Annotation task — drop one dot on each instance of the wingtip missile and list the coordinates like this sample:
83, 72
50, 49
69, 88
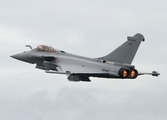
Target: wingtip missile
155, 73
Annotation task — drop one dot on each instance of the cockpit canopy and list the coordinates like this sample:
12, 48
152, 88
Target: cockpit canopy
45, 48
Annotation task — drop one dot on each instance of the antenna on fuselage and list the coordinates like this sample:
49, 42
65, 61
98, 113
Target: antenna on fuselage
29, 46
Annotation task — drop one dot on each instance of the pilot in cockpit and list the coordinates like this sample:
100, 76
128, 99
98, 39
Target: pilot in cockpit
44, 48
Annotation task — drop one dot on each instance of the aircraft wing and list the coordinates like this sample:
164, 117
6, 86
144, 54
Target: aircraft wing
154, 73
50, 66
84, 73
88, 74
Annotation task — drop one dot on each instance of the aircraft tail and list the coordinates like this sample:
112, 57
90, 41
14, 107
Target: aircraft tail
126, 52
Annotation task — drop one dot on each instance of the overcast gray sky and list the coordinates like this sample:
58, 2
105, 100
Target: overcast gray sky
91, 28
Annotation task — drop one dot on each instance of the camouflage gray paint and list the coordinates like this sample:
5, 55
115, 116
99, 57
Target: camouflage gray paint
117, 64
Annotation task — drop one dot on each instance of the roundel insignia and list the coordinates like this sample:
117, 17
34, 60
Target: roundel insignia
56, 60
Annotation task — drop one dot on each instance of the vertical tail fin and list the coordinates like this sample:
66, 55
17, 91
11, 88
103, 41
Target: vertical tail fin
126, 52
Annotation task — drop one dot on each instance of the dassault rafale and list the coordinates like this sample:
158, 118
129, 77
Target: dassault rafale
116, 64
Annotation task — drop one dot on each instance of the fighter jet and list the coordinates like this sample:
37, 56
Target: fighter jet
116, 64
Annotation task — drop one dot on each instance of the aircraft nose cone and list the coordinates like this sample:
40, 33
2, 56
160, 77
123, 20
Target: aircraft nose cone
25, 57
19, 56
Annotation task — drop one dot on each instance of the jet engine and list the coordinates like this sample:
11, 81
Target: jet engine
123, 73
133, 74
127, 73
